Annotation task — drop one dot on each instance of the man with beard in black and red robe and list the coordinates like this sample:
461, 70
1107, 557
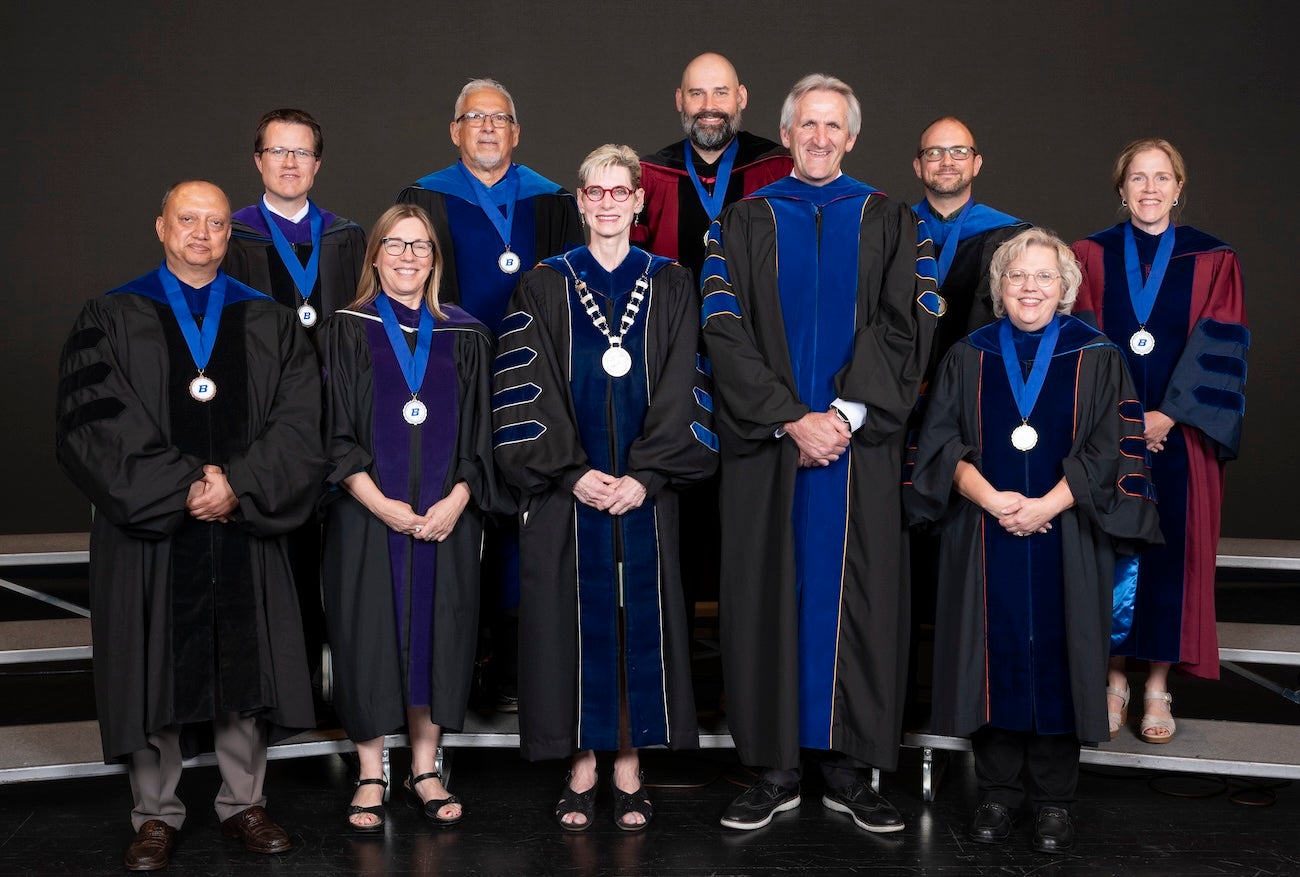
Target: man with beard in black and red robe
687, 184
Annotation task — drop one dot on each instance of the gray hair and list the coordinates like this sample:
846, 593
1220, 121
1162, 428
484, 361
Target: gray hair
1014, 248
608, 156
822, 82
478, 85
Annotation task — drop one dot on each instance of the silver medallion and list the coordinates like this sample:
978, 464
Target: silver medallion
616, 362
1024, 437
203, 388
306, 315
508, 262
414, 412
1142, 342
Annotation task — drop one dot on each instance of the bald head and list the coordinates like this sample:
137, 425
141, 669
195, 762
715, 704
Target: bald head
947, 178
194, 229
710, 100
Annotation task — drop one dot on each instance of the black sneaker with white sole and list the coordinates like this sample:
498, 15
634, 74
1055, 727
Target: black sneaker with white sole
755, 807
869, 811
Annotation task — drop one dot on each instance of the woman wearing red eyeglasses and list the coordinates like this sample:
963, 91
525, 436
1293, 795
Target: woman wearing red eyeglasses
601, 411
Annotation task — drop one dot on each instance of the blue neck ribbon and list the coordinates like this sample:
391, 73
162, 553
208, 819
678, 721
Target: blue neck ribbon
1143, 295
954, 237
199, 341
412, 363
484, 196
1026, 392
304, 276
713, 203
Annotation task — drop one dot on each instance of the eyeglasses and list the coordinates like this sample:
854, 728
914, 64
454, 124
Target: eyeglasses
1041, 279
936, 153
476, 120
397, 246
597, 193
279, 153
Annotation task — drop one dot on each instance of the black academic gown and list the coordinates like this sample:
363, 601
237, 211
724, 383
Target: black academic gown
189, 618
252, 259
557, 416
814, 606
1023, 628
402, 612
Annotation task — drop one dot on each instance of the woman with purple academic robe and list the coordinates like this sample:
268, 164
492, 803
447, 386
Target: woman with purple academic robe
1032, 464
408, 432
1171, 298
601, 413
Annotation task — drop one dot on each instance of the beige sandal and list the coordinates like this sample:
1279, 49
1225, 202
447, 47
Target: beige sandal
1119, 719
1151, 725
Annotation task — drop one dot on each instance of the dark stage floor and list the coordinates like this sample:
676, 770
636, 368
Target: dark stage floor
1128, 823
1126, 827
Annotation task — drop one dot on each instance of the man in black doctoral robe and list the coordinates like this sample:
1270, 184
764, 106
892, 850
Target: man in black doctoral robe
188, 412
493, 219
307, 259
965, 235
687, 184
818, 322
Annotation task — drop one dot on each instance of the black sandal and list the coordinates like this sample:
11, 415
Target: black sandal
575, 802
432, 806
376, 811
626, 803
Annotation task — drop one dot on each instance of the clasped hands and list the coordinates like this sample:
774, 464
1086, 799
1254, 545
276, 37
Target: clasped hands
436, 524
1020, 515
1156, 430
822, 436
605, 493
211, 498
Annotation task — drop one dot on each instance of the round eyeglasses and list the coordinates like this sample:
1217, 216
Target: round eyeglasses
1041, 279
597, 193
936, 153
280, 153
397, 246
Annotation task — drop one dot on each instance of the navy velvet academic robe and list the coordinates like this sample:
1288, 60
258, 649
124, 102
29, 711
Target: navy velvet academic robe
1023, 624
559, 415
1197, 376
813, 293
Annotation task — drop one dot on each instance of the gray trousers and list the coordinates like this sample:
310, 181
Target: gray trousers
155, 771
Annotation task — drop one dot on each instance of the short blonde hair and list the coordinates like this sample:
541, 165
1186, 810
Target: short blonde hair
1015, 247
611, 155
1130, 152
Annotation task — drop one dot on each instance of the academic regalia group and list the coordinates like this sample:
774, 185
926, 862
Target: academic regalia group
399, 413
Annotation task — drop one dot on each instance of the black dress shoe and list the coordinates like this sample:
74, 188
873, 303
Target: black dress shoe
869, 811
1053, 830
991, 824
254, 829
152, 848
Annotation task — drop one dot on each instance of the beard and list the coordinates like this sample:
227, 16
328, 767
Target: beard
954, 186
711, 136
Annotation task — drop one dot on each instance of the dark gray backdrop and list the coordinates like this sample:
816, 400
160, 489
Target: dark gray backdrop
109, 103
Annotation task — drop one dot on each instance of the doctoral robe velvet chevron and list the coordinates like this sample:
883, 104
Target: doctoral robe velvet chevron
191, 618
1196, 375
812, 293
1023, 624
558, 415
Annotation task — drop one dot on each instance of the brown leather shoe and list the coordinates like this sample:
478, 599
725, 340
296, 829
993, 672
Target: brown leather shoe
152, 848
255, 830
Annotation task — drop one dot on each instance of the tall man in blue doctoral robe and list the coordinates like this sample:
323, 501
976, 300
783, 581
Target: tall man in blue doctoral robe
493, 220
818, 321
189, 414
307, 259
965, 235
